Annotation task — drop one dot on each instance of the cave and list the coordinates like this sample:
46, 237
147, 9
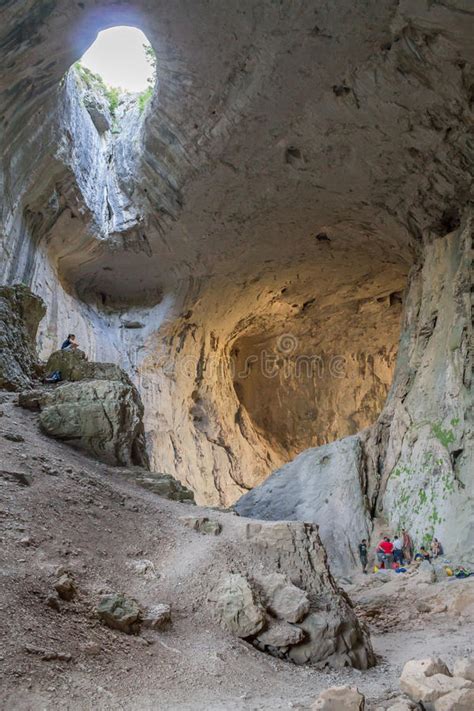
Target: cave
265, 254
223, 229
251, 240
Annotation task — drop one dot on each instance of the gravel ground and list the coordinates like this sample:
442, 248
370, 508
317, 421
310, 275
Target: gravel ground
60, 509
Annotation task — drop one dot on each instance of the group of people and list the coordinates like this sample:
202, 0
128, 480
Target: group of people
399, 552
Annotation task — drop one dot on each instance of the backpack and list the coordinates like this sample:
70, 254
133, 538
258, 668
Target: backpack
54, 377
462, 572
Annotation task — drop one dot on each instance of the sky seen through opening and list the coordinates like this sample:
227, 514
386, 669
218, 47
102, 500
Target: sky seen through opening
118, 56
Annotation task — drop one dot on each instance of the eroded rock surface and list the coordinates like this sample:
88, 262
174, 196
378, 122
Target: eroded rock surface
20, 314
327, 486
74, 366
103, 417
260, 603
415, 465
293, 199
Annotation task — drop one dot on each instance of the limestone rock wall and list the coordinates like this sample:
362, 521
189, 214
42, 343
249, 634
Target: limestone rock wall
414, 467
20, 315
203, 427
427, 472
280, 182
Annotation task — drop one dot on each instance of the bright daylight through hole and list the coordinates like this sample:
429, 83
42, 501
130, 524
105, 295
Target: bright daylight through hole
122, 57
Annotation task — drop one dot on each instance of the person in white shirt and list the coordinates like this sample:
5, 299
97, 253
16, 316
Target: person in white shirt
398, 550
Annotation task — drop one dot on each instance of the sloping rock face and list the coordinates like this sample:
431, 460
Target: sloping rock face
20, 315
286, 603
323, 485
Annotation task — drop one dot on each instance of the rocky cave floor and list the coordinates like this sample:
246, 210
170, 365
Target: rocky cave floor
61, 509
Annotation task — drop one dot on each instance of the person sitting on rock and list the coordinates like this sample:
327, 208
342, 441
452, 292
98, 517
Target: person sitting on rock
436, 548
70, 343
398, 550
423, 554
384, 552
363, 554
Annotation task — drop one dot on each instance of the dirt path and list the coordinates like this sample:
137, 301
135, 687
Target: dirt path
60, 509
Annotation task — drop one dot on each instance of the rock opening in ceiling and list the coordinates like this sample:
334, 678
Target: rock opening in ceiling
122, 57
323, 378
105, 102
117, 72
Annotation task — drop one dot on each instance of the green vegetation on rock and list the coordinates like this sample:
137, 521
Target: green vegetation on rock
95, 83
144, 98
113, 95
446, 437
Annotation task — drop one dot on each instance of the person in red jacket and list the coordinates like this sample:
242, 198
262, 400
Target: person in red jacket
385, 552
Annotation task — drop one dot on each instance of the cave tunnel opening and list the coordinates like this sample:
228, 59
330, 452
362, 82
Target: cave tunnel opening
325, 376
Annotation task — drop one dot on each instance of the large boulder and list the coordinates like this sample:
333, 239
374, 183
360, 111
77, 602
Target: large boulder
427, 680
20, 314
103, 417
324, 485
236, 606
74, 366
333, 635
